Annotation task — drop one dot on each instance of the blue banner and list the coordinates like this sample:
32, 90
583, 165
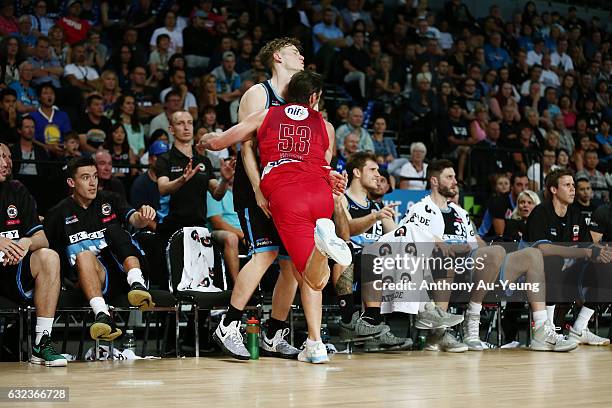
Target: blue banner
405, 199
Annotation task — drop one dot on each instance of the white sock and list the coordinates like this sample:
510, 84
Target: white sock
474, 308
582, 321
43, 324
98, 305
135, 275
550, 312
539, 318
311, 343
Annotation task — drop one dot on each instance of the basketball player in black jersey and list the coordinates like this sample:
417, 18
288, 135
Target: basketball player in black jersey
367, 222
283, 58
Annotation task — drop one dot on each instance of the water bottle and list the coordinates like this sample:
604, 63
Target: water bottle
253, 338
325, 336
129, 341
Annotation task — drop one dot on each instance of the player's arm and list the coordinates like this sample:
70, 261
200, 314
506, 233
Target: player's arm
388, 225
217, 189
142, 217
341, 218
36, 241
599, 223
331, 134
238, 133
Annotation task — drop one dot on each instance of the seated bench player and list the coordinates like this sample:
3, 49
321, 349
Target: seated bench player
87, 227
29, 269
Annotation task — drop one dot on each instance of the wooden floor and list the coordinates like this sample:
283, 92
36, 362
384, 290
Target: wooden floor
493, 378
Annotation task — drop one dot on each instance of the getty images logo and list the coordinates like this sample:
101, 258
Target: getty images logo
296, 112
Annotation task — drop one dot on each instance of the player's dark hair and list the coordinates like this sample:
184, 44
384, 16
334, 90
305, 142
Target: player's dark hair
358, 161
302, 85
552, 179
435, 168
78, 162
266, 54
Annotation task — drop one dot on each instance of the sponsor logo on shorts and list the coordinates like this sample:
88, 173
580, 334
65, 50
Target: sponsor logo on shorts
296, 112
263, 242
11, 211
176, 169
13, 222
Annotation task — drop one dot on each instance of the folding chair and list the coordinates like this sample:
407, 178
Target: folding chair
8, 307
206, 301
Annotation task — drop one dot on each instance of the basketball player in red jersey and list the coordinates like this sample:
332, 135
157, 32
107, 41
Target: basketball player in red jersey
282, 56
296, 145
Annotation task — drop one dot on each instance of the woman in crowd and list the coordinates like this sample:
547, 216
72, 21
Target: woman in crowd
108, 88
127, 115
117, 145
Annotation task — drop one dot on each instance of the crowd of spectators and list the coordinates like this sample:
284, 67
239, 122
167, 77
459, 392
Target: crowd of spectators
501, 95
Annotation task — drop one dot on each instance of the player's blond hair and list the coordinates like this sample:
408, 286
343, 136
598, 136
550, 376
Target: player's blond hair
266, 54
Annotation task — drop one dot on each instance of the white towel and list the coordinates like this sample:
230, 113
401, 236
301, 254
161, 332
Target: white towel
406, 301
198, 260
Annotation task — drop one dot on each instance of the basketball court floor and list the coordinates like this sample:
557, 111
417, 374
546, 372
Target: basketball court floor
492, 378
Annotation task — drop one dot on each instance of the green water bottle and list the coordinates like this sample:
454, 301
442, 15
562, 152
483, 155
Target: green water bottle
253, 338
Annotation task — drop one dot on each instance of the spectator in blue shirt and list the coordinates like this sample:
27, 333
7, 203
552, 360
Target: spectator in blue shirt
51, 124
226, 229
27, 99
495, 55
604, 138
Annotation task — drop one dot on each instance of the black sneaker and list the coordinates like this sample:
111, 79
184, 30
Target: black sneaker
104, 328
140, 297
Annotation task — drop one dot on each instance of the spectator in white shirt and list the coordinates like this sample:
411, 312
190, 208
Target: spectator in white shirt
178, 82
415, 168
559, 59
535, 56
79, 74
548, 77
175, 34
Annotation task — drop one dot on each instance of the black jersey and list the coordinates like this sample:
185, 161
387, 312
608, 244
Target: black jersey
357, 210
18, 216
544, 224
186, 207
602, 222
454, 226
243, 190
71, 228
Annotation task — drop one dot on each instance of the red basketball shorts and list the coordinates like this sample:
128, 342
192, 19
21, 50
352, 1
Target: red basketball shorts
295, 209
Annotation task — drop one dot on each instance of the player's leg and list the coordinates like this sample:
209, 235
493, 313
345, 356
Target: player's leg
264, 250
275, 334
38, 277
229, 241
296, 220
45, 271
92, 278
595, 275
433, 316
128, 255
483, 273
530, 263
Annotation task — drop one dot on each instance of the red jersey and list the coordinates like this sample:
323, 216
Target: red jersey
292, 144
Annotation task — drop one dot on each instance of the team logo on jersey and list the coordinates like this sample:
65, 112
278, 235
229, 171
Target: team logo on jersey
11, 211
106, 209
575, 232
296, 112
201, 167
